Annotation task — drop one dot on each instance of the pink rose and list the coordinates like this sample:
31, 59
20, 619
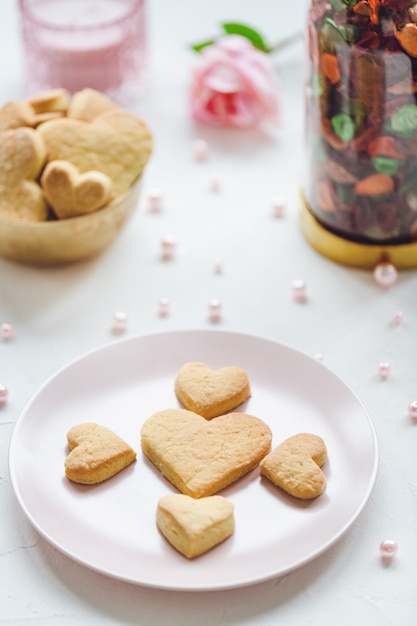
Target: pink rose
233, 84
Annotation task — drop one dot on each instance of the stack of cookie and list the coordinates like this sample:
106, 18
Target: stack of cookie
63, 157
201, 449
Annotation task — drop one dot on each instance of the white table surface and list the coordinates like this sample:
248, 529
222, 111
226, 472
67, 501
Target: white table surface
60, 314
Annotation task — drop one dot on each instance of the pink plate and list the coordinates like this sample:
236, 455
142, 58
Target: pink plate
111, 527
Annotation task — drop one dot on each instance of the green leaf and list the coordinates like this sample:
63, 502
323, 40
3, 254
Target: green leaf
334, 36
233, 28
350, 33
386, 165
197, 47
343, 126
342, 4
404, 121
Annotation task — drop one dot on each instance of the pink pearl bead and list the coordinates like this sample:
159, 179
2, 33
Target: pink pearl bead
319, 356
119, 322
215, 310
278, 206
6, 331
164, 307
215, 184
412, 411
155, 200
397, 317
4, 394
388, 549
168, 245
384, 370
299, 290
200, 150
218, 266
385, 275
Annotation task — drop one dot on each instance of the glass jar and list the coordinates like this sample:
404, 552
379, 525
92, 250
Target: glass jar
76, 44
361, 119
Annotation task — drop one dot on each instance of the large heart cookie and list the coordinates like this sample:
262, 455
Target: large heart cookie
116, 143
96, 454
295, 465
199, 457
211, 392
70, 193
194, 526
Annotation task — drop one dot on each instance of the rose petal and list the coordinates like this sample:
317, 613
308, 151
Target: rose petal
233, 84
224, 79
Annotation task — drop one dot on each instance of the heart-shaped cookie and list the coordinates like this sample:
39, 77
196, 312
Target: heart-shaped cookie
70, 193
96, 454
16, 114
194, 526
116, 143
22, 156
211, 392
88, 103
199, 457
295, 465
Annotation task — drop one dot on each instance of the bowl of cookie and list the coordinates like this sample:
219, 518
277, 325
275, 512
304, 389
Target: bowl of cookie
71, 169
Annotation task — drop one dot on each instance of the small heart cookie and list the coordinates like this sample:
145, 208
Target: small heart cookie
211, 393
70, 193
35, 110
88, 103
295, 465
51, 101
116, 143
96, 454
16, 114
22, 155
195, 526
49, 105
201, 457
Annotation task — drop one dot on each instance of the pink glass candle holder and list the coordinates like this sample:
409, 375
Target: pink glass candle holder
74, 44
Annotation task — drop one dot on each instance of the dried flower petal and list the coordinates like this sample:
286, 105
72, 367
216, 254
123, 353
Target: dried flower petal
407, 38
374, 185
340, 174
374, 5
324, 197
331, 67
363, 8
404, 86
385, 146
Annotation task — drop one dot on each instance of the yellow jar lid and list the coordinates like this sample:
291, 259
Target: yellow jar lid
367, 256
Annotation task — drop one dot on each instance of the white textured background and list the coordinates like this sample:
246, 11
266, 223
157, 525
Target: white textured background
59, 314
